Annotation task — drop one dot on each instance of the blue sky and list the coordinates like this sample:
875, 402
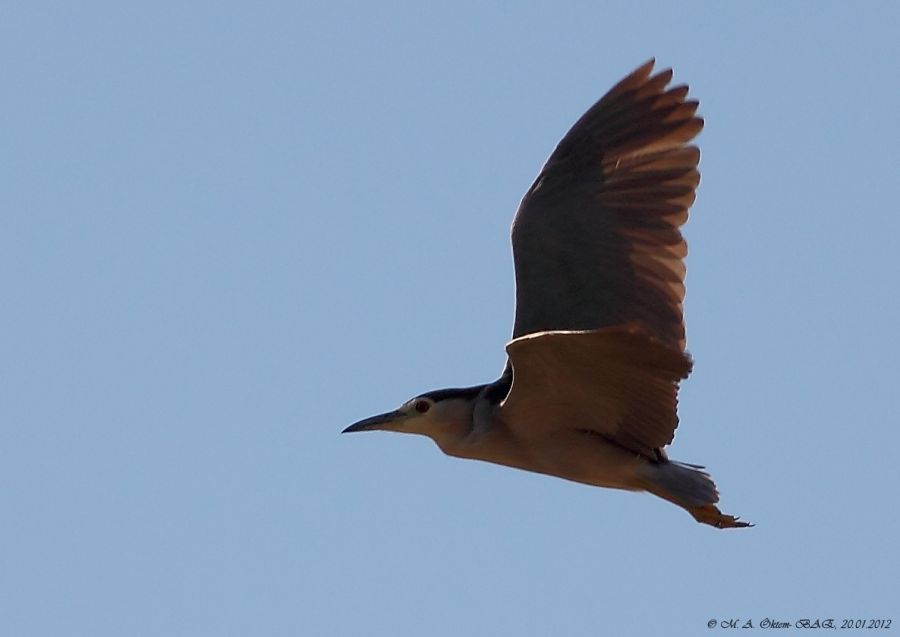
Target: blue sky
229, 230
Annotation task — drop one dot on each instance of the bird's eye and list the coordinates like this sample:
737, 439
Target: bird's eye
422, 406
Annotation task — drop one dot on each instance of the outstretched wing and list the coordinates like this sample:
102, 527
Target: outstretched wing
596, 238
616, 382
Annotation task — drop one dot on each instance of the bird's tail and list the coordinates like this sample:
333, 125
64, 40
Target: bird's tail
691, 488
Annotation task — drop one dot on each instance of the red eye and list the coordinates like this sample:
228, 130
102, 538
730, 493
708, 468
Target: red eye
422, 406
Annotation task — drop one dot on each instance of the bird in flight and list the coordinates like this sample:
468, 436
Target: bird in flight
589, 391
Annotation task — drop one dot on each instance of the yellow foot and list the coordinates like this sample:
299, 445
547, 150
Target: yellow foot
710, 514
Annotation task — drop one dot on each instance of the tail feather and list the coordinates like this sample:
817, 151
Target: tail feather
691, 488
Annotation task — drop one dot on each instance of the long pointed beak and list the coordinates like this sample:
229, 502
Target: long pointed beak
381, 421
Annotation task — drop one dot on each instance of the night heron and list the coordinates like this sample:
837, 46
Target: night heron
589, 391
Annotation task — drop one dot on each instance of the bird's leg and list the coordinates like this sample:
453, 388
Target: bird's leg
710, 514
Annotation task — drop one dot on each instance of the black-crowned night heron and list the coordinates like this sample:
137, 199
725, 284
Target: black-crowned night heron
590, 387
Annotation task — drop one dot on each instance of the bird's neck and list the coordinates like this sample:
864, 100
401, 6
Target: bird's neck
480, 435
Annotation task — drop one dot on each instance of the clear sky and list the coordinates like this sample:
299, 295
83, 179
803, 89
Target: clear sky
228, 230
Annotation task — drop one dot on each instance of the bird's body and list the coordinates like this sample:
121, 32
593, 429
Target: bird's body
589, 393
562, 452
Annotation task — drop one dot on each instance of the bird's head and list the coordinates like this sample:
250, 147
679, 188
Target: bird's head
444, 415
